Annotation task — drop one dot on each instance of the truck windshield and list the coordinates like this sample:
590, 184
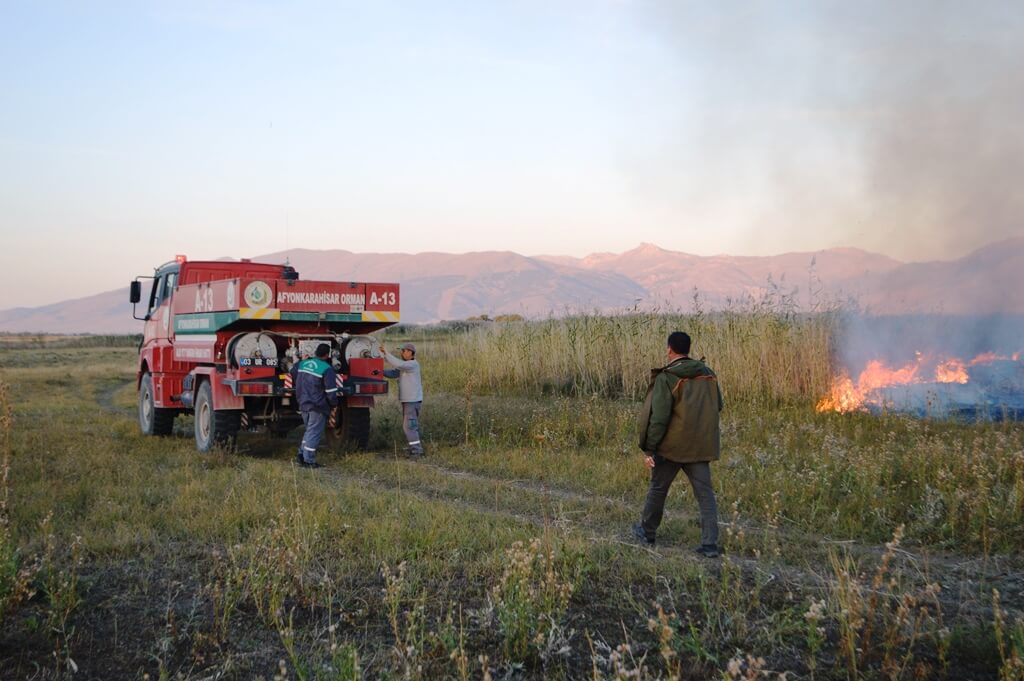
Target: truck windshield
163, 286
153, 297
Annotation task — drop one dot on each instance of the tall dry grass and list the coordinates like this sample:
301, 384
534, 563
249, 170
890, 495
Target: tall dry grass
770, 356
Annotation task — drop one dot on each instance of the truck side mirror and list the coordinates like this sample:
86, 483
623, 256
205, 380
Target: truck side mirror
135, 292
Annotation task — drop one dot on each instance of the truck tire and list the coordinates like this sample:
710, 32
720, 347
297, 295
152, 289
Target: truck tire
352, 428
280, 432
214, 427
153, 420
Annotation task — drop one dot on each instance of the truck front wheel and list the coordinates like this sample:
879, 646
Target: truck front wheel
153, 420
214, 426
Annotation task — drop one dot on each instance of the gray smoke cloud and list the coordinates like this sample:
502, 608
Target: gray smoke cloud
893, 126
944, 156
897, 340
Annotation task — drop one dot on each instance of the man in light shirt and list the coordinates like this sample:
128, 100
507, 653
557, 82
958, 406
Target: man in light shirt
410, 392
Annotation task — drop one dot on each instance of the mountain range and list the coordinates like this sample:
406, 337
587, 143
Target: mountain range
445, 286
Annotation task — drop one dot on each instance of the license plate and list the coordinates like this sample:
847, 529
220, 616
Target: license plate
258, 362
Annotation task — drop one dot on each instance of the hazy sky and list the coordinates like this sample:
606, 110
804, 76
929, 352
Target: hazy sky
130, 132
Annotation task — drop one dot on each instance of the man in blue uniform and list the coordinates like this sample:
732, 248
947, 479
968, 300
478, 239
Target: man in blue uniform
316, 391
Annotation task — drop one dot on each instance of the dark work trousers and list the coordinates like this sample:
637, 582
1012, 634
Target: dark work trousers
411, 426
662, 475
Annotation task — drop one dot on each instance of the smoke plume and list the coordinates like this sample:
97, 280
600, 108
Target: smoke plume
893, 126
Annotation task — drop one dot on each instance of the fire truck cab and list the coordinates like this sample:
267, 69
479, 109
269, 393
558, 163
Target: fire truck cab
220, 338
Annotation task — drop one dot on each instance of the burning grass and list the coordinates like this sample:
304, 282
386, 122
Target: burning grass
504, 554
873, 389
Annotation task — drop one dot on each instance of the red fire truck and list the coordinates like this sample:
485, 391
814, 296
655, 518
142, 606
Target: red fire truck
221, 336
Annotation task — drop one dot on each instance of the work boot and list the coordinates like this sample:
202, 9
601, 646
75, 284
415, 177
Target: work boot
641, 536
311, 464
707, 550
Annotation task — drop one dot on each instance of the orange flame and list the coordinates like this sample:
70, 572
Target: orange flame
951, 371
985, 358
845, 396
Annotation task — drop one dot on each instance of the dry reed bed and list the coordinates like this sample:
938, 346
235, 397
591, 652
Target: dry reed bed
768, 358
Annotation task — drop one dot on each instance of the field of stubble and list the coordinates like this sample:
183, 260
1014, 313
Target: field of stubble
855, 546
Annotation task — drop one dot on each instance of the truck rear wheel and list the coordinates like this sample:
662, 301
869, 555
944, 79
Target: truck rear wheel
351, 427
153, 420
214, 426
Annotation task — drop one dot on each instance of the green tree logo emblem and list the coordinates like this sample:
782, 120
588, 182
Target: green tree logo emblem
257, 294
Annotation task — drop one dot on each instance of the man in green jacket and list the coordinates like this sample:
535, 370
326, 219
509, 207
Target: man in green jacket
679, 431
